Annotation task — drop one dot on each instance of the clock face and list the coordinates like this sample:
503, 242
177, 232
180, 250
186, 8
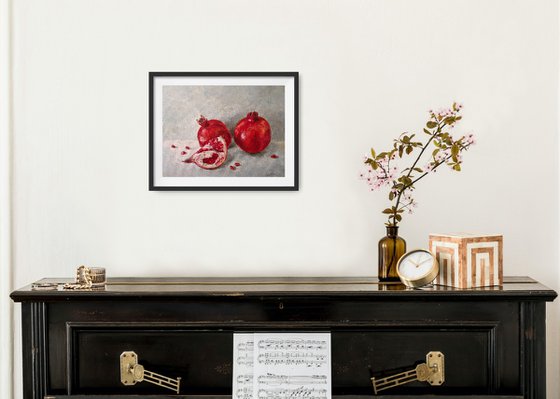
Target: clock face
417, 266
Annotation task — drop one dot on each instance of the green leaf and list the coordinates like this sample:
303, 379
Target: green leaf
427, 131
387, 211
374, 166
408, 150
401, 148
399, 218
457, 167
431, 124
418, 170
372, 153
434, 153
391, 196
454, 150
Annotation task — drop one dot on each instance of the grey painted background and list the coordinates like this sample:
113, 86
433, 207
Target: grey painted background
182, 105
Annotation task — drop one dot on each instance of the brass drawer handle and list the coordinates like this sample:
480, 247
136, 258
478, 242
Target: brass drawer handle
433, 372
132, 372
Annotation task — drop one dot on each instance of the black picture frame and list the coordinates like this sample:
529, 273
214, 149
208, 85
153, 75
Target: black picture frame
288, 182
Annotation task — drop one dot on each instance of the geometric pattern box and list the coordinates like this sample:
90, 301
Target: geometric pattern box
468, 260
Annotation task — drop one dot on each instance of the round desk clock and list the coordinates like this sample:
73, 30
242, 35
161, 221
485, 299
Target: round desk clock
417, 268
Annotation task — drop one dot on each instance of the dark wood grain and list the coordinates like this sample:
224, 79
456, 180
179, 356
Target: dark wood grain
334, 397
133, 288
493, 338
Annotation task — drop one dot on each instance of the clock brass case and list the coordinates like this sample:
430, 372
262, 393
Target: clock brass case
423, 280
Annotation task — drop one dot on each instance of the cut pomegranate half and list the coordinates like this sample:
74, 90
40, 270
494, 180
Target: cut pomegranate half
212, 155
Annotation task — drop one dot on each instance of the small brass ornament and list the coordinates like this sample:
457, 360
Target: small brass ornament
432, 372
88, 278
132, 372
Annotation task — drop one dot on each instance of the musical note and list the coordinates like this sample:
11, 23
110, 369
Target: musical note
298, 392
275, 379
245, 379
282, 366
292, 344
245, 359
243, 366
245, 346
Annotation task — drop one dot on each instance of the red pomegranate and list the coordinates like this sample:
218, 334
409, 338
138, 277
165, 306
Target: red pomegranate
212, 155
210, 129
252, 133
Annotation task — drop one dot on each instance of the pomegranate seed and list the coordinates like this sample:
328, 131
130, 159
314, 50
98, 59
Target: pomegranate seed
187, 147
274, 156
232, 167
237, 164
173, 146
183, 153
211, 159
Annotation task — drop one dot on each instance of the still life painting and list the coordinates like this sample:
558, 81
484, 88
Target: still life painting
223, 131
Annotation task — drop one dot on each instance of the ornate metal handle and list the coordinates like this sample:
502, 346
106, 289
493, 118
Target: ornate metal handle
432, 372
132, 372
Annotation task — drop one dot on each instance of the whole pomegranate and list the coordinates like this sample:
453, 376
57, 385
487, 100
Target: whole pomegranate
252, 133
212, 155
210, 129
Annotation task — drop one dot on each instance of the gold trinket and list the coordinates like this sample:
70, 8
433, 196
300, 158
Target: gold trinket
432, 372
88, 278
132, 372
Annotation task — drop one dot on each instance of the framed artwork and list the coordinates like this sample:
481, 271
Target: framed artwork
223, 131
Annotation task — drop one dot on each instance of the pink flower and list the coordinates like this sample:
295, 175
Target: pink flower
470, 139
440, 156
429, 167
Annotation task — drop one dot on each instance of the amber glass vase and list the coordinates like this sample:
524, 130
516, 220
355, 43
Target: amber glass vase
391, 248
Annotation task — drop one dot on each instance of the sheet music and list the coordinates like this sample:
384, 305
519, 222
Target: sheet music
284, 366
242, 366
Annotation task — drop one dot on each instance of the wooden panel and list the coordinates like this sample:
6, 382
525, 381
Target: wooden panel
295, 313
203, 358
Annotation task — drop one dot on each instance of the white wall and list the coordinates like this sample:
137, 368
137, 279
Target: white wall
6, 307
369, 69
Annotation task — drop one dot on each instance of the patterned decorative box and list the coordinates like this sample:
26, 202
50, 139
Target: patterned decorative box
468, 260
